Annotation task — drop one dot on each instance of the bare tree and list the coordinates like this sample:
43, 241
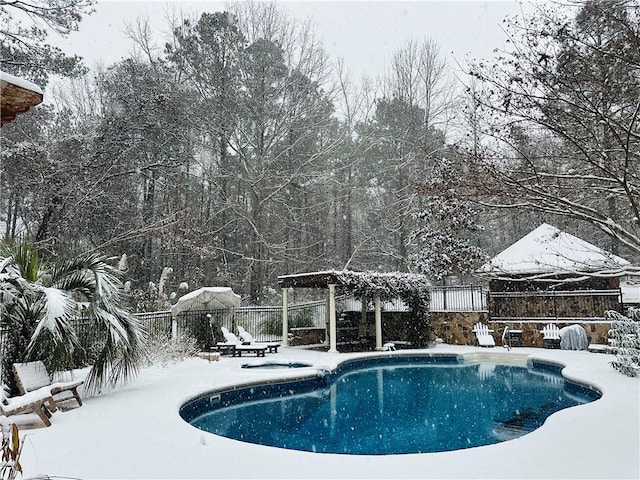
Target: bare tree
24, 28
563, 109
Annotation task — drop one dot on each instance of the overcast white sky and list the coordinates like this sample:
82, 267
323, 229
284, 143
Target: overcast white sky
363, 33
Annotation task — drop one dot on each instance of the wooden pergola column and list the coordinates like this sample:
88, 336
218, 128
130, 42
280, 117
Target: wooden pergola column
285, 317
378, 323
332, 319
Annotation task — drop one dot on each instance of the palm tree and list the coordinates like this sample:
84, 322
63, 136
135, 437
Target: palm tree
40, 305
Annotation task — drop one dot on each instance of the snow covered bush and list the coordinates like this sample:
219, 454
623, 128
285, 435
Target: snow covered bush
164, 351
625, 338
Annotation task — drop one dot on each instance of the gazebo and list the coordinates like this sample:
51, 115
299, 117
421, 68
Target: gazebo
552, 275
411, 288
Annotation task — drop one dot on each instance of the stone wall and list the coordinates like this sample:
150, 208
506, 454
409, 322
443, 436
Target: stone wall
456, 328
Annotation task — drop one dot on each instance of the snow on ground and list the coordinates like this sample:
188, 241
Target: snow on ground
135, 432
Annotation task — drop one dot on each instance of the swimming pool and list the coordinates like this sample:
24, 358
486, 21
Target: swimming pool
392, 405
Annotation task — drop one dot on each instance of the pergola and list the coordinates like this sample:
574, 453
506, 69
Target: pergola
413, 289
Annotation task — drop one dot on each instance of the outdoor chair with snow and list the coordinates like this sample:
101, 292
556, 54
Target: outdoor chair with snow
484, 335
550, 336
39, 402
247, 339
32, 376
235, 346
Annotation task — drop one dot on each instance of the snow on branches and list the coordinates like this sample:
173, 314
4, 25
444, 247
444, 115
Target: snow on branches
445, 223
625, 338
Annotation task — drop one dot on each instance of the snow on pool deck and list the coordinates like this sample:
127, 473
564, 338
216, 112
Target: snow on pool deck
135, 432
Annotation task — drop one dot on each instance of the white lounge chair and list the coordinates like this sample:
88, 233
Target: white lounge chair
235, 346
39, 402
550, 336
248, 339
32, 376
484, 335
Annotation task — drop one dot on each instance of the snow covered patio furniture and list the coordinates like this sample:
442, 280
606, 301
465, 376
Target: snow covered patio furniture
574, 337
550, 336
248, 339
484, 335
234, 345
32, 376
39, 402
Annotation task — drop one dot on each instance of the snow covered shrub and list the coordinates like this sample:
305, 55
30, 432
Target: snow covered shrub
164, 351
625, 338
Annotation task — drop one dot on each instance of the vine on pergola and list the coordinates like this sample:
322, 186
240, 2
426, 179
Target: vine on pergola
413, 290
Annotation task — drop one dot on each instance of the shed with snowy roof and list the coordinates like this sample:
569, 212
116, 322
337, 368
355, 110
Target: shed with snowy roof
553, 275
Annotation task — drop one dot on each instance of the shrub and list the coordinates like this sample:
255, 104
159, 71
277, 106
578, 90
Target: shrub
165, 351
301, 318
625, 338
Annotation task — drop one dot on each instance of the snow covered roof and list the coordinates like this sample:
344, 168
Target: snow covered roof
548, 250
17, 96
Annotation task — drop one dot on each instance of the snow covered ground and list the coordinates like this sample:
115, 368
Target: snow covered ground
135, 432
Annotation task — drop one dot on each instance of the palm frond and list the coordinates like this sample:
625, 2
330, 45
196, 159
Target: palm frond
55, 309
24, 255
122, 354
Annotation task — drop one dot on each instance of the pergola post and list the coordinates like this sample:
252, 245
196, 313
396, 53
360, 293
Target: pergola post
285, 317
378, 323
174, 328
332, 319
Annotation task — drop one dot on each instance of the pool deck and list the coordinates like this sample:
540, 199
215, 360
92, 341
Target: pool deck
135, 431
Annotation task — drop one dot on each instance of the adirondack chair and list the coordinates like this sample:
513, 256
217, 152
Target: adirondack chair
550, 336
32, 376
484, 335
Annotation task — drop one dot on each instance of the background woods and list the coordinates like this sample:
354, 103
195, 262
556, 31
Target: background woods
238, 151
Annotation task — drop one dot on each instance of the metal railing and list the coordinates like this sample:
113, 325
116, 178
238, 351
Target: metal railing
264, 323
458, 298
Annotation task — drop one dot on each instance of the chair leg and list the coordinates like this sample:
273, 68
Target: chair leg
75, 394
44, 414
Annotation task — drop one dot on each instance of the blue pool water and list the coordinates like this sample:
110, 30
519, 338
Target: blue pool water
392, 406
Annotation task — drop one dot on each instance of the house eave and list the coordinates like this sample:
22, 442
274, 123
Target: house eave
17, 96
